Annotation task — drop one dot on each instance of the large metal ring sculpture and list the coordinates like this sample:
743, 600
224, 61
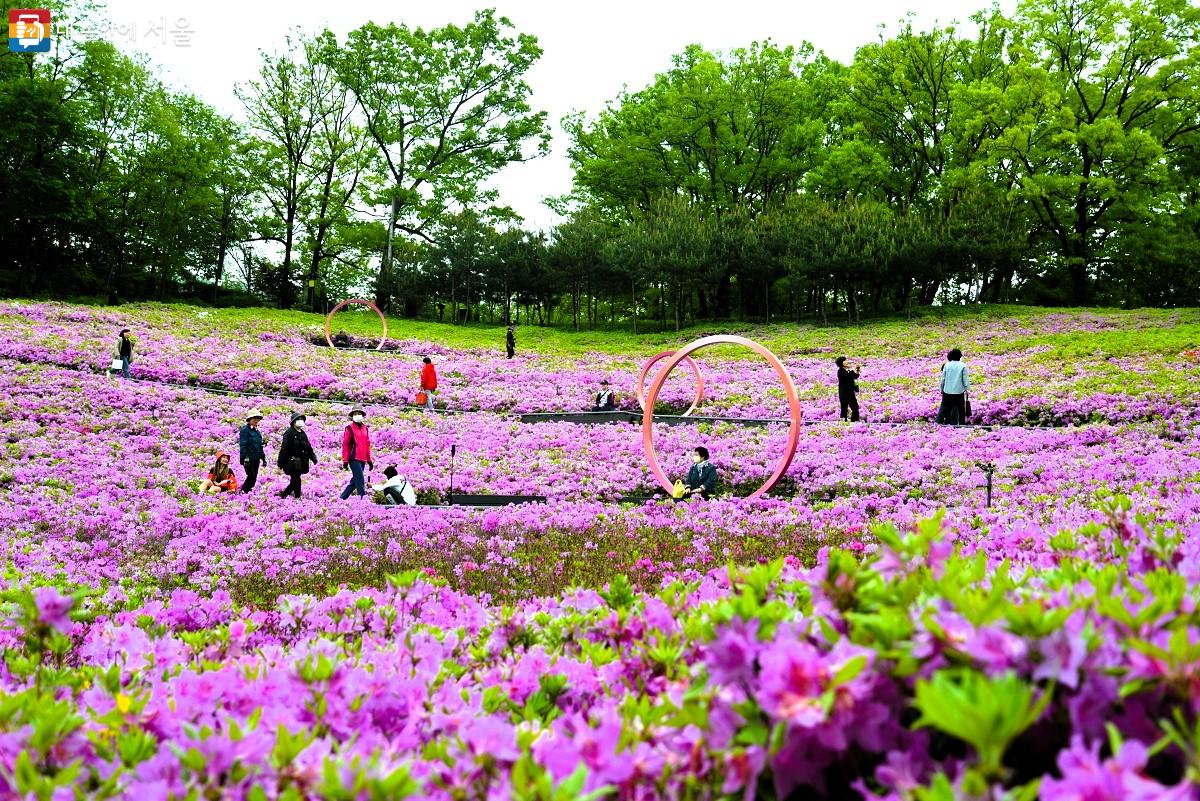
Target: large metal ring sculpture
788, 385
370, 304
655, 359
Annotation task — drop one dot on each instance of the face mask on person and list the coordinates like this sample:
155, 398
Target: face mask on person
358, 418
299, 424
697, 458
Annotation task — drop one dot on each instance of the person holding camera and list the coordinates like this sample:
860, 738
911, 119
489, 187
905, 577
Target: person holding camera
847, 377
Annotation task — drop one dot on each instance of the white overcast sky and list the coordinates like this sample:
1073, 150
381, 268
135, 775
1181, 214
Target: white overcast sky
590, 50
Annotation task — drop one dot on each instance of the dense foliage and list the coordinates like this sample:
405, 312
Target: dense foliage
1049, 156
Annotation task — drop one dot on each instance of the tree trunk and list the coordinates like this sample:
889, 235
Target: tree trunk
383, 288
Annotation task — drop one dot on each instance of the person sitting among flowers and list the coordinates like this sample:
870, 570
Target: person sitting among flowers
221, 478
702, 476
605, 400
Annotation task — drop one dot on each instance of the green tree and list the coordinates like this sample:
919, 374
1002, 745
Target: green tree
446, 109
1102, 99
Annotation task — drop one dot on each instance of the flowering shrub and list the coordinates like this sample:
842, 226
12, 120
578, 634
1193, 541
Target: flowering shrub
873, 630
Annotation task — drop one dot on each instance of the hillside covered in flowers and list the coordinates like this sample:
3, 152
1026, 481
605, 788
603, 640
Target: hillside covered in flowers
872, 629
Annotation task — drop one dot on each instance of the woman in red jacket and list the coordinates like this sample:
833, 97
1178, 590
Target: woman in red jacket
356, 453
428, 381
221, 478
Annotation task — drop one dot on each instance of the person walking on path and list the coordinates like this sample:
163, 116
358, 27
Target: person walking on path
221, 478
356, 453
124, 351
847, 388
510, 342
955, 384
250, 448
428, 382
702, 476
295, 453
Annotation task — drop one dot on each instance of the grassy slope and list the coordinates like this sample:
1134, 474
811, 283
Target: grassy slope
995, 329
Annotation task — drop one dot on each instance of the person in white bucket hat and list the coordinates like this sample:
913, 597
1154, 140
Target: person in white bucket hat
250, 448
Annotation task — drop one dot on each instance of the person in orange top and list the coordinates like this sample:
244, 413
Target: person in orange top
428, 381
221, 478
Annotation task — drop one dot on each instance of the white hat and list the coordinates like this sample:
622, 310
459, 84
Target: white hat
250, 415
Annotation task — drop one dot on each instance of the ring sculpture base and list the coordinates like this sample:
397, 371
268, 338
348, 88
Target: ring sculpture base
370, 304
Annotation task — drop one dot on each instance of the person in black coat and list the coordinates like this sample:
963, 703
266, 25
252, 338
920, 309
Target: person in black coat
702, 476
510, 342
847, 388
295, 452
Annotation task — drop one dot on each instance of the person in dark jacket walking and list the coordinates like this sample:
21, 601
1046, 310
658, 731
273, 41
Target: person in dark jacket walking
250, 448
702, 476
295, 453
356, 453
510, 342
847, 378
124, 351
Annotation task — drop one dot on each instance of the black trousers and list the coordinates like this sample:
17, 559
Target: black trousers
953, 409
849, 401
251, 474
511, 352
293, 487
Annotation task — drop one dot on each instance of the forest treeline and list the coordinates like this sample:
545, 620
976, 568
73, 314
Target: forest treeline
1050, 156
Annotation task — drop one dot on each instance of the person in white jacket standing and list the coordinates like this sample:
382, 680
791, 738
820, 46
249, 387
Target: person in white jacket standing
955, 384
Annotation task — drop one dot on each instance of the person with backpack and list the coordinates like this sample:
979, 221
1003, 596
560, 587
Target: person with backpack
847, 379
295, 453
428, 381
396, 490
356, 453
250, 448
605, 400
954, 384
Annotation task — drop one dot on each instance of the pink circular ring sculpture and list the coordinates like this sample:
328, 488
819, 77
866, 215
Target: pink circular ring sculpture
788, 385
370, 304
655, 359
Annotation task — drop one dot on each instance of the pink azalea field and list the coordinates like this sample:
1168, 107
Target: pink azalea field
871, 629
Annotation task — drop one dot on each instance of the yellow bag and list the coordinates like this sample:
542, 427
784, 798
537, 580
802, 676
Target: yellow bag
678, 490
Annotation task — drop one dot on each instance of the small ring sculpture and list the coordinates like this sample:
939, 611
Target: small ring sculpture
788, 385
370, 304
655, 359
